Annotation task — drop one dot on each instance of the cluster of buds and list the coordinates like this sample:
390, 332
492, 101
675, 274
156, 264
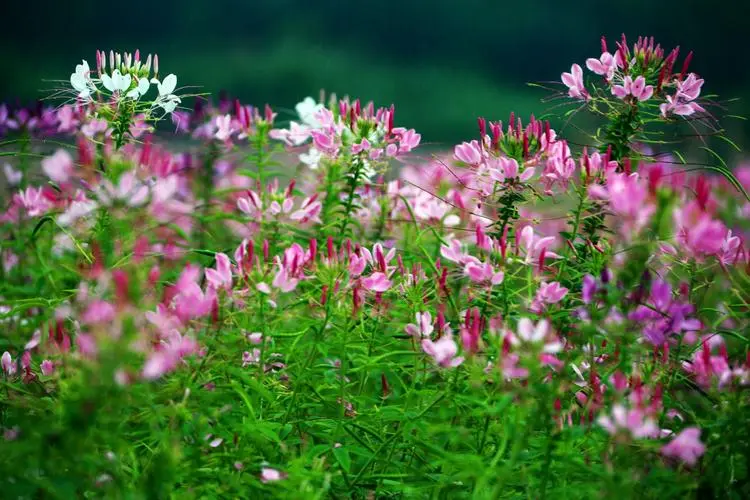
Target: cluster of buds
275, 205
35, 119
639, 74
644, 57
347, 129
510, 157
126, 78
127, 63
228, 121
518, 142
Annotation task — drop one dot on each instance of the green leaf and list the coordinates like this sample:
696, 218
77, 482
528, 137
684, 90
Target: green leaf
40, 224
342, 455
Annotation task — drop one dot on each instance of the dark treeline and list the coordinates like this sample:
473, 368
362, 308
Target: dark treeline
440, 62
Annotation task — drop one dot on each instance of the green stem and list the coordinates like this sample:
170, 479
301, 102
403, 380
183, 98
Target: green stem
353, 184
207, 187
620, 132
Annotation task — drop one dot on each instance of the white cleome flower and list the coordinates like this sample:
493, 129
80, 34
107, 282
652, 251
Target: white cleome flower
117, 82
311, 158
306, 111
167, 100
140, 89
81, 81
169, 103
166, 86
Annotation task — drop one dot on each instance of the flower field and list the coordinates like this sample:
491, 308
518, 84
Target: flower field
202, 298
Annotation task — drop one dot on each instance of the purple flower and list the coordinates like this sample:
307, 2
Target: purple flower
588, 289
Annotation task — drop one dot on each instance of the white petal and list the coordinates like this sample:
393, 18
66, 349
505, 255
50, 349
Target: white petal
108, 83
540, 331
78, 82
124, 83
143, 86
168, 85
525, 329
170, 104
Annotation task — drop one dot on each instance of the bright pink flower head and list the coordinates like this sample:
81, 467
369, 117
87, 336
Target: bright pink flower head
594, 165
548, 293
686, 446
325, 142
559, 167
192, 302
731, 249
423, 327
574, 82
47, 367
409, 140
98, 312
59, 166
377, 282
636, 88
357, 264
95, 127
308, 212
221, 277
469, 153
632, 422
34, 201
455, 253
483, 273
363, 145
168, 356
677, 107
224, 128
533, 246
689, 89
68, 119
628, 197
698, 231
507, 168
529, 333
7, 364
269, 475
604, 66
511, 369
683, 102
283, 280
443, 351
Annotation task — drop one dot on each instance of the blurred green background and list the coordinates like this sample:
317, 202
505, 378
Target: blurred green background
441, 63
